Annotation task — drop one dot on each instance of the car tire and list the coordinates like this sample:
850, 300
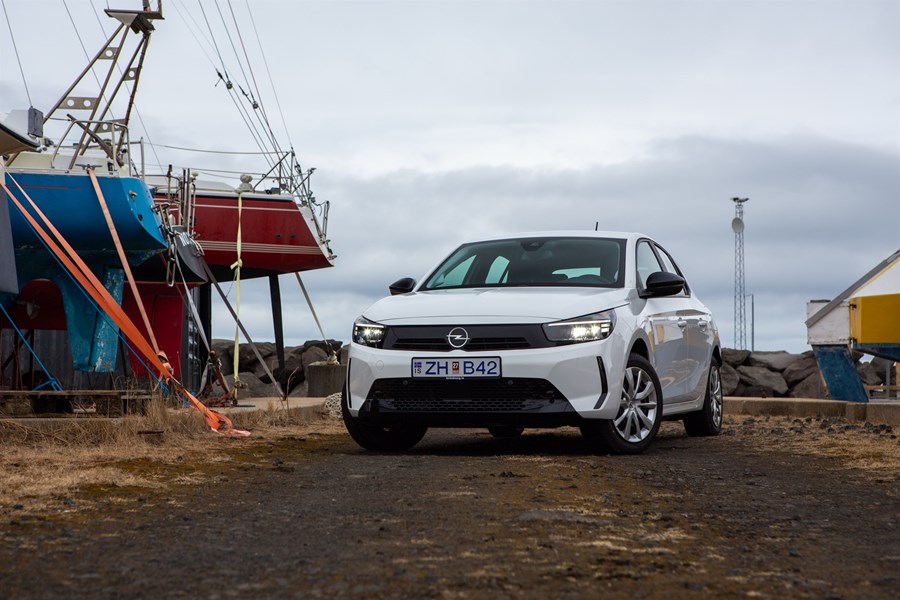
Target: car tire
391, 438
708, 420
505, 431
640, 412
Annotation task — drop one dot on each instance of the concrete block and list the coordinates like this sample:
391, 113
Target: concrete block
325, 379
883, 412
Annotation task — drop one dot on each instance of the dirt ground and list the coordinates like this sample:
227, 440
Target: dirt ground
774, 508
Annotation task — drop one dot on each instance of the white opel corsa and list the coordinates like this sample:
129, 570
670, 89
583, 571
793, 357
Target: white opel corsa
598, 330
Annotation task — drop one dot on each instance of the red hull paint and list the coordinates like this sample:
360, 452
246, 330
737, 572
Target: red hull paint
165, 309
275, 236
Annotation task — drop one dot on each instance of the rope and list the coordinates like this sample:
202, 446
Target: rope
51, 380
313, 311
16, 48
247, 337
236, 267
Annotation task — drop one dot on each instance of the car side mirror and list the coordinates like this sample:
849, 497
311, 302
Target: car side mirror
662, 284
402, 286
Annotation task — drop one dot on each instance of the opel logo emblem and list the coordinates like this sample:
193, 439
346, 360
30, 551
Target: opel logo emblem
458, 337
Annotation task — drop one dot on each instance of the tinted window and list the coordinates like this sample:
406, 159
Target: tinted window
594, 262
647, 263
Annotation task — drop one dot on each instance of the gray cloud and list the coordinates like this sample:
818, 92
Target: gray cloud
821, 213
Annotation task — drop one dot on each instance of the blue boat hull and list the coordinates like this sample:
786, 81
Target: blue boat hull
70, 203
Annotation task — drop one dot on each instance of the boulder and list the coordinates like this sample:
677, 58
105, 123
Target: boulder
763, 379
752, 391
883, 366
224, 350
774, 361
730, 379
252, 387
301, 390
334, 345
247, 360
733, 357
869, 375
800, 369
811, 387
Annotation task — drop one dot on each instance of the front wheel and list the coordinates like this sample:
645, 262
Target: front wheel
708, 420
640, 411
391, 438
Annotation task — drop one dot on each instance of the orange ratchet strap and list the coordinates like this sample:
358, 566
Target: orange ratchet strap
86, 278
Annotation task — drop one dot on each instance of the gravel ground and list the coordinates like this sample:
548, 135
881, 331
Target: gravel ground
773, 508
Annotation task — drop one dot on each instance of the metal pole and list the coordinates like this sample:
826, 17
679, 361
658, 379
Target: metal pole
275, 295
752, 325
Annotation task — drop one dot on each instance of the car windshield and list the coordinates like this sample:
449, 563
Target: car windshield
569, 261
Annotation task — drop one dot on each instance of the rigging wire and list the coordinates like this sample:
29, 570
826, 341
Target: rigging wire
214, 151
257, 101
257, 138
137, 110
194, 30
16, 48
254, 104
226, 78
87, 56
269, 73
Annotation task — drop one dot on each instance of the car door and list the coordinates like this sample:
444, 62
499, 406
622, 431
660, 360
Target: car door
664, 327
698, 335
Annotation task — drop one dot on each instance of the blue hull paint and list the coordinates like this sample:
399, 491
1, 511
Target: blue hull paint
839, 370
70, 203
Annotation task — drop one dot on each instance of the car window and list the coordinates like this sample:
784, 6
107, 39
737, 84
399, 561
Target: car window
563, 261
670, 266
647, 263
456, 275
498, 271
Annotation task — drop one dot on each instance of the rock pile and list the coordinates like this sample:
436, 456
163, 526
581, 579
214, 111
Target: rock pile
292, 378
782, 374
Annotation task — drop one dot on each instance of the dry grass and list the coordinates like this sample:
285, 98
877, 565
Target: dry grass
42, 463
854, 446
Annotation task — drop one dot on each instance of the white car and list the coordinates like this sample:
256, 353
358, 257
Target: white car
597, 330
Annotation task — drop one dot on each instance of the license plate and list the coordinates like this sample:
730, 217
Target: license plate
456, 367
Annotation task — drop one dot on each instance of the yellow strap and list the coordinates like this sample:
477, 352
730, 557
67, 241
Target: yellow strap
236, 267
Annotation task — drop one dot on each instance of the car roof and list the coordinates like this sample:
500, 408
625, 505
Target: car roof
570, 233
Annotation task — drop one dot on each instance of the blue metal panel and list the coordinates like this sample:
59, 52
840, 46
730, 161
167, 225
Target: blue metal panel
839, 370
888, 351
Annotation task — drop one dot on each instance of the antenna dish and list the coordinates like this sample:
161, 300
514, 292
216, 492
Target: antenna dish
737, 225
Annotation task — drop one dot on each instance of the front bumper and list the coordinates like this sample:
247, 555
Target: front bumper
538, 387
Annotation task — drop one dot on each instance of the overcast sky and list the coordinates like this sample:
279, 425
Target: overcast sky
433, 122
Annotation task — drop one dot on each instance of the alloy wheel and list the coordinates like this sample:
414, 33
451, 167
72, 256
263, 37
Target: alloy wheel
638, 408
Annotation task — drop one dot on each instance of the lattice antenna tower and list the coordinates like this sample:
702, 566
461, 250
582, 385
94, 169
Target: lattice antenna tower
740, 306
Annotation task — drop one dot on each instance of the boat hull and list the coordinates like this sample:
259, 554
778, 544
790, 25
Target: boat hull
70, 203
277, 235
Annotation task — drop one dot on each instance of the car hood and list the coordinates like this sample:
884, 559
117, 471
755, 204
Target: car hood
494, 305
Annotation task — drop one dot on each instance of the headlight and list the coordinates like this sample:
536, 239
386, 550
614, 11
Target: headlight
368, 333
588, 328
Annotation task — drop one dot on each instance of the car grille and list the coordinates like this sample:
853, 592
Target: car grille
482, 338
494, 395
474, 345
